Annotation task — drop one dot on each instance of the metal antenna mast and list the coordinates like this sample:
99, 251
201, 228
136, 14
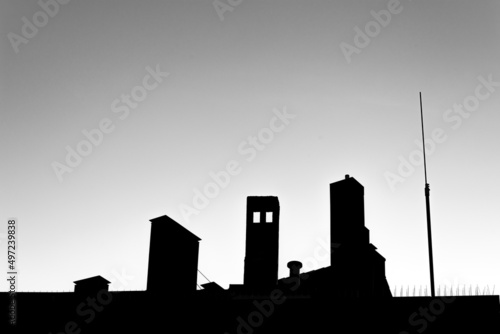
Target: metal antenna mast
427, 191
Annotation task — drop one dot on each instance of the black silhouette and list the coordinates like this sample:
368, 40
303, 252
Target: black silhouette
172, 247
349, 296
262, 242
91, 285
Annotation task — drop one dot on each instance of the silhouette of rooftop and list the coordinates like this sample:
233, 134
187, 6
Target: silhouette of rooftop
351, 295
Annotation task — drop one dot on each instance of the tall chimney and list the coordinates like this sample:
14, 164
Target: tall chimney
262, 242
173, 257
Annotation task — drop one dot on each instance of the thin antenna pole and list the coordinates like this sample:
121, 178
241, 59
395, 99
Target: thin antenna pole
427, 205
423, 140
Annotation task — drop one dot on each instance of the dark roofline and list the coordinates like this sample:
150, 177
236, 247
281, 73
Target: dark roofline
91, 279
165, 217
348, 178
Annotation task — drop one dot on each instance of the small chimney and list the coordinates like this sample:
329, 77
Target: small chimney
91, 286
294, 268
346, 176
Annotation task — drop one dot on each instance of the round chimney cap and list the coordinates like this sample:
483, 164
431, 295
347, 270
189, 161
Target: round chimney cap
296, 264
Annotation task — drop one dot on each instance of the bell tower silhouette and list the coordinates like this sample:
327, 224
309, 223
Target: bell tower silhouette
262, 242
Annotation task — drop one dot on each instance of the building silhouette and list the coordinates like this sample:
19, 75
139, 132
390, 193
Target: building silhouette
172, 246
351, 295
360, 269
262, 242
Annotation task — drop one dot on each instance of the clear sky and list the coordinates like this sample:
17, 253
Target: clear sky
171, 92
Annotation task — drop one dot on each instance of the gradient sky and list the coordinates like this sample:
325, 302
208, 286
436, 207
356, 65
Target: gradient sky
228, 77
